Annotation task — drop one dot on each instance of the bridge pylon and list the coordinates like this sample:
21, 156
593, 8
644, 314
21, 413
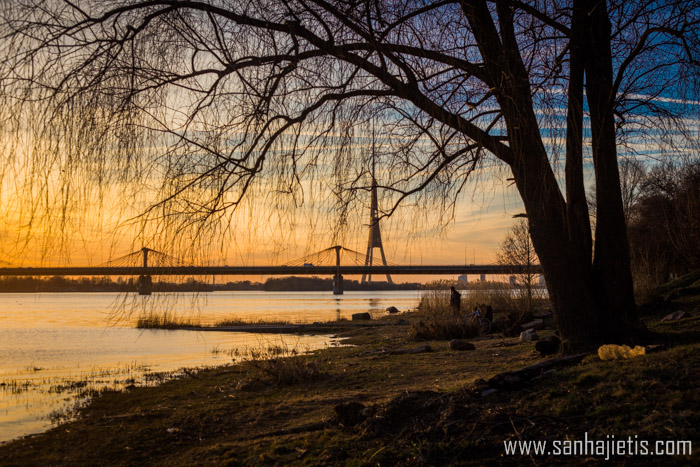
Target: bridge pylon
145, 282
337, 278
375, 235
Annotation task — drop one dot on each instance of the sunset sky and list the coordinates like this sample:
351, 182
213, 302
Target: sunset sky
99, 226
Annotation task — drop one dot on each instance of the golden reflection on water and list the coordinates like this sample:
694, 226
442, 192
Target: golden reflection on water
60, 349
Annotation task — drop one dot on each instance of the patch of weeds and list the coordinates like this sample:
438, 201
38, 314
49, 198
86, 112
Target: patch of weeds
166, 320
282, 365
443, 326
252, 322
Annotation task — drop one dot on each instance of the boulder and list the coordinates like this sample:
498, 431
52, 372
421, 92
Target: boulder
534, 324
393, 310
361, 316
459, 344
528, 335
676, 315
620, 352
350, 413
548, 346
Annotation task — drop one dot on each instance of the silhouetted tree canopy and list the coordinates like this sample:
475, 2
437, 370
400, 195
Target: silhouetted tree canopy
664, 226
201, 100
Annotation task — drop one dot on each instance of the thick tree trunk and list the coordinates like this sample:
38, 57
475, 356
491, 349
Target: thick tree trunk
577, 207
611, 265
568, 276
584, 304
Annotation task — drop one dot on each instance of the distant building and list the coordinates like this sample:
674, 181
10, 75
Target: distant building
463, 279
543, 283
512, 281
483, 278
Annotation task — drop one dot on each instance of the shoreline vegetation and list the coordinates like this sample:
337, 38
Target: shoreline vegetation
171, 322
391, 397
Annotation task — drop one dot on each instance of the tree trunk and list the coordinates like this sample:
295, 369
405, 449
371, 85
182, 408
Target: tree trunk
586, 300
568, 277
577, 207
611, 265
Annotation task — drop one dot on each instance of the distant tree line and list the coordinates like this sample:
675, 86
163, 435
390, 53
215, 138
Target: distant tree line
106, 284
323, 284
93, 284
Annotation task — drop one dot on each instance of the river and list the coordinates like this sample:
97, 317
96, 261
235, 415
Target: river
58, 348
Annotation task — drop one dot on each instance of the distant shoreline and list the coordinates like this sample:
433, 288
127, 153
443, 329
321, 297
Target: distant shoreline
59, 284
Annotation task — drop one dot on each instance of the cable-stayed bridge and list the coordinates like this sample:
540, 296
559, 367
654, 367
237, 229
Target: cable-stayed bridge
147, 262
336, 261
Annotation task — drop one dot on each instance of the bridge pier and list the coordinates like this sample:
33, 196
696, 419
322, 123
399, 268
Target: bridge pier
145, 285
337, 284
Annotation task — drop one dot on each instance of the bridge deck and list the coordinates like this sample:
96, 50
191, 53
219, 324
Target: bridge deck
266, 270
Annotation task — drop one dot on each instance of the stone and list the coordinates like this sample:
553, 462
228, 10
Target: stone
350, 413
528, 335
459, 344
361, 316
534, 324
548, 346
676, 315
393, 310
619, 352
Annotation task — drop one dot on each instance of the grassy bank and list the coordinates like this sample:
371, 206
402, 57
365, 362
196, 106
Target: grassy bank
431, 408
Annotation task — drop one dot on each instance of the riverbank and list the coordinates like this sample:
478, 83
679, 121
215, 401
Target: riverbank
429, 407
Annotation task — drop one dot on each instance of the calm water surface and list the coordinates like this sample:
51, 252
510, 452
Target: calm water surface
55, 349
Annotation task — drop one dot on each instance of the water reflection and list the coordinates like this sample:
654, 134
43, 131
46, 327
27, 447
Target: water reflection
58, 349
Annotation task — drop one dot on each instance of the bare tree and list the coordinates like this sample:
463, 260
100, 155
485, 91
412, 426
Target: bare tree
517, 249
632, 175
213, 96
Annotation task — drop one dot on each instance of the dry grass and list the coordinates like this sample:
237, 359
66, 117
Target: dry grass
166, 320
511, 309
282, 365
251, 322
443, 326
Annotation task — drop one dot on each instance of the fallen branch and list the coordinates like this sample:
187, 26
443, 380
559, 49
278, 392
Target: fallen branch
515, 379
